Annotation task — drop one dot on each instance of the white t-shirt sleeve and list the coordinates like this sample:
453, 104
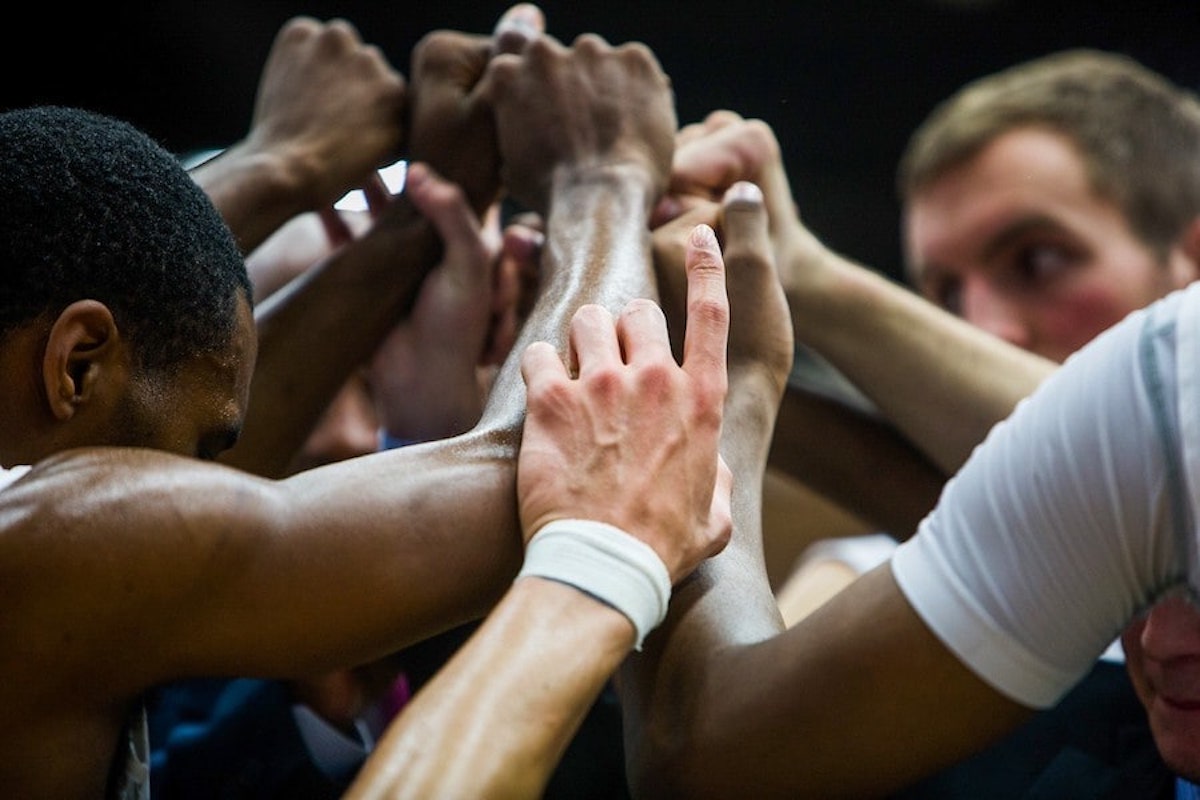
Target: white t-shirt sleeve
1068, 520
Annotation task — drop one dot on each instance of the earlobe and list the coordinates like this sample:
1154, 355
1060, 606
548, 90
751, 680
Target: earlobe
80, 355
1188, 267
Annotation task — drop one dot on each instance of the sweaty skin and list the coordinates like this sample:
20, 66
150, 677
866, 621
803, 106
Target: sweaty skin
231, 574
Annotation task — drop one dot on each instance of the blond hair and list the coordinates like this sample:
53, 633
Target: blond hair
1137, 133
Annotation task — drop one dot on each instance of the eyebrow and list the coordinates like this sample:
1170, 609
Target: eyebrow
1013, 231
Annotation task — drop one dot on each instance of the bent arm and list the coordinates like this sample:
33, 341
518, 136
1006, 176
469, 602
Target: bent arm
1079, 503
943, 382
857, 700
308, 346
723, 698
856, 460
335, 566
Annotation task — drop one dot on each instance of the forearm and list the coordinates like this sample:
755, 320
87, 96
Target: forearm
242, 576
858, 699
794, 713
495, 720
856, 460
597, 235
309, 346
596, 251
255, 191
725, 604
941, 381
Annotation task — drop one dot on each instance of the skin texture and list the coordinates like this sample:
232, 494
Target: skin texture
230, 574
903, 481
1047, 264
863, 662
812, 715
443, 744
1162, 653
377, 276
457, 295
327, 114
1016, 242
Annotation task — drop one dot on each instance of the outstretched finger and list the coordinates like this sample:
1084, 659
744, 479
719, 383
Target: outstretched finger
669, 245
707, 331
745, 225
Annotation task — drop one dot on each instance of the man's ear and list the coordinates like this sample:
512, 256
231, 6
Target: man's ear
83, 350
1187, 269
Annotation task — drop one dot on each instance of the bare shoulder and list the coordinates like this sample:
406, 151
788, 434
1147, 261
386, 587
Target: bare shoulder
96, 521
126, 492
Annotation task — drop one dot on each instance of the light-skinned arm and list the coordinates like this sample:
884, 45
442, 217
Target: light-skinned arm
941, 381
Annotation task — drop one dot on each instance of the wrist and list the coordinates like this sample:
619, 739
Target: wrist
819, 284
605, 563
627, 179
253, 188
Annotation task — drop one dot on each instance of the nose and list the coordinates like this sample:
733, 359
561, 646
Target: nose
1172, 630
988, 308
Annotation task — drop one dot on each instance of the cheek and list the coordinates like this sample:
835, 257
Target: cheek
1135, 658
1075, 317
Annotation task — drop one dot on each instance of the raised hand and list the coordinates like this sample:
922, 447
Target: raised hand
713, 155
590, 106
451, 125
328, 113
425, 373
332, 100
628, 436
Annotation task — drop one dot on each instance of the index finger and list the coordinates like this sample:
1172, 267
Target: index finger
707, 332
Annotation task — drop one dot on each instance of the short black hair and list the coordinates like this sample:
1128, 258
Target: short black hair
91, 207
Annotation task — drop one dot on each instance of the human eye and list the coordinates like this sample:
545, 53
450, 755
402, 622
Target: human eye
1042, 262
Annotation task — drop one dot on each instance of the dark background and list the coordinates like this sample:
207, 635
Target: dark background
842, 82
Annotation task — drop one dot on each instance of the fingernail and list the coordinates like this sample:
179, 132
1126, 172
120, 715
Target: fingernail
524, 18
744, 191
704, 236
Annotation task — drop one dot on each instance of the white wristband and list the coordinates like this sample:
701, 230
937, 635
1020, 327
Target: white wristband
605, 562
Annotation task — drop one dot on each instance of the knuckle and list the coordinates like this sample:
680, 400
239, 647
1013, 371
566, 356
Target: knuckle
708, 311
761, 137
604, 382
548, 395
656, 380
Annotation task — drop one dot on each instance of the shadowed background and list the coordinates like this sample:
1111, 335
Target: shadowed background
843, 82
